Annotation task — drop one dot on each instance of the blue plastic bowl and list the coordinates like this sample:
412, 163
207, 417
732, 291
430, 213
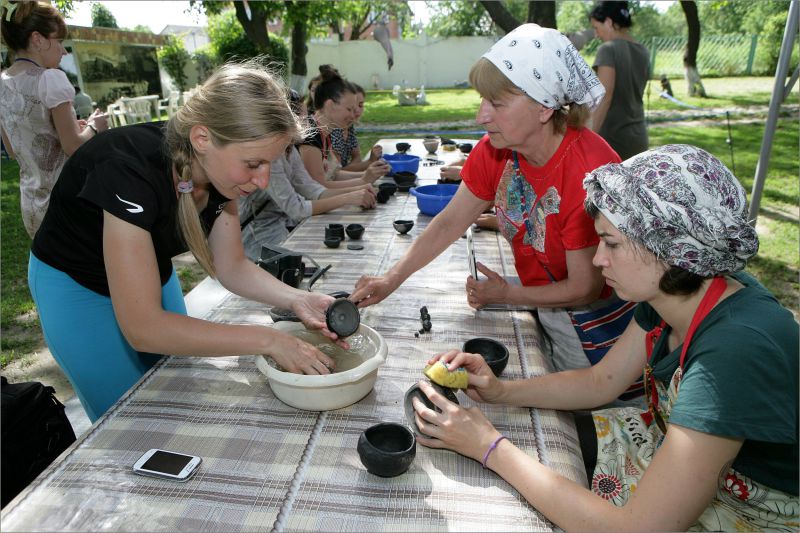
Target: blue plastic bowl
403, 162
433, 198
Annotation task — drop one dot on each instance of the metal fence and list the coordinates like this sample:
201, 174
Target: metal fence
718, 55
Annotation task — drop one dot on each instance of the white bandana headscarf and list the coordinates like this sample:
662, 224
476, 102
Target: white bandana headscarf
682, 203
543, 64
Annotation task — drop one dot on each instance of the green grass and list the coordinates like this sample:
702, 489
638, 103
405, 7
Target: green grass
18, 321
447, 105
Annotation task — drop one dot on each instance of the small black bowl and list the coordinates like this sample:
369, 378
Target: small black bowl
465, 148
403, 226
387, 449
382, 196
416, 392
404, 178
332, 242
336, 230
402, 147
354, 231
391, 188
493, 352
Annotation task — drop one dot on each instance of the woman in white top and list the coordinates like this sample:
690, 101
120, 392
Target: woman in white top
39, 126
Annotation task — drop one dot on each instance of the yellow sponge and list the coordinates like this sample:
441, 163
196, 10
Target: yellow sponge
441, 375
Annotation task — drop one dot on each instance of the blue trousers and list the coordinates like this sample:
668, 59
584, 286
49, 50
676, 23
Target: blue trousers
83, 335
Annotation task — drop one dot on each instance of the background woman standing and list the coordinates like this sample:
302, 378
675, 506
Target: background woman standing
623, 66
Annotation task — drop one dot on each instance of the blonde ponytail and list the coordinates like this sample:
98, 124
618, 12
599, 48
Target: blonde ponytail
255, 106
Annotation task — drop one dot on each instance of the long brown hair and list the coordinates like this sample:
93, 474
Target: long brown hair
28, 17
240, 102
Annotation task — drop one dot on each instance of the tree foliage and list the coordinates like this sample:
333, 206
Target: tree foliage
229, 42
174, 58
102, 17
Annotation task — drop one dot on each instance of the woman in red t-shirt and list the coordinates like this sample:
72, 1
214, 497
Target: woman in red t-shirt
536, 95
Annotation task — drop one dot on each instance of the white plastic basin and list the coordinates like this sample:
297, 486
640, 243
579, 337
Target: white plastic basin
357, 370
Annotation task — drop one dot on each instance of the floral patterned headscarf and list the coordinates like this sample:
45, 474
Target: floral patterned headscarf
682, 203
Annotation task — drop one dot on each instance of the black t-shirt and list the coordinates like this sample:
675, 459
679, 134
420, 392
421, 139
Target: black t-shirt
127, 172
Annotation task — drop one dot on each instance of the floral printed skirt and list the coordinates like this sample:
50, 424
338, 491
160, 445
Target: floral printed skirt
625, 448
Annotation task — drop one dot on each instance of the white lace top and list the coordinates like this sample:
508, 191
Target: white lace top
26, 99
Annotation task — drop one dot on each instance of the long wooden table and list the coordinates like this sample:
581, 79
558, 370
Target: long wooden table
268, 466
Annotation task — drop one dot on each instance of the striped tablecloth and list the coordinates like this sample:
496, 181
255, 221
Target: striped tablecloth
268, 466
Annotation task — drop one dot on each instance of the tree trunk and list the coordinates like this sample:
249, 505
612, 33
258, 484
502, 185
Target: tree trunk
501, 16
256, 27
542, 13
299, 50
694, 83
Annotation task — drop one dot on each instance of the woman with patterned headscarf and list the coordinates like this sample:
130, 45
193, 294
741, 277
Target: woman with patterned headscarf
536, 96
717, 449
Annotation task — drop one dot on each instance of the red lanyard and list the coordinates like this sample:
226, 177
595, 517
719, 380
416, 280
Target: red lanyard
708, 302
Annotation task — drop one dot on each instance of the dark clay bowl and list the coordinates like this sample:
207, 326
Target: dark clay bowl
404, 178
416, 392
335, 230
279, 313
354, 231
332, 242
391, 188
465, 148
493, 352
402, 147
387, 449
403, 226
382, 196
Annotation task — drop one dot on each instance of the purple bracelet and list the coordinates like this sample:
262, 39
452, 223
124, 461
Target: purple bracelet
491, 449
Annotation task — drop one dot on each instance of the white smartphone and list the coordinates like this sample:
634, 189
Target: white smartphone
167, 465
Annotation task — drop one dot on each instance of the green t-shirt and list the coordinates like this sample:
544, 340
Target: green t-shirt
740, 380
624, 127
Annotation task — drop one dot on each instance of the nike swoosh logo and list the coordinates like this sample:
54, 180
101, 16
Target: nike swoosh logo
136, 207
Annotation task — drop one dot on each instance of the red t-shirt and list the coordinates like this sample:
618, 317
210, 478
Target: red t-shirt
552, 196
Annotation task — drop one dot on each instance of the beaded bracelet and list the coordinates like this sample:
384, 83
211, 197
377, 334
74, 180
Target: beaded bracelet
491, 449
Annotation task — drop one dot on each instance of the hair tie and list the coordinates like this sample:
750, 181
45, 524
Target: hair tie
9, 9
185, 186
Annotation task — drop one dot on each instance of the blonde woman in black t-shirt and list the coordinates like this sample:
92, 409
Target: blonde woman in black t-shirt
131, 199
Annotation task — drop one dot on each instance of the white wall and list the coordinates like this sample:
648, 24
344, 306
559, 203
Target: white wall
423, 61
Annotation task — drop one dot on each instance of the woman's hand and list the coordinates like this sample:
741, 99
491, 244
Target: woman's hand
299, 357
487, 221
310, 309
450, 173
375, 153
493, 290
376, 170
466, 431
363, 197
99, 120
370, 290
483, 385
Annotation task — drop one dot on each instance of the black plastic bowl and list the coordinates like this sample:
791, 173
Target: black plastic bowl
493, 352
387, 449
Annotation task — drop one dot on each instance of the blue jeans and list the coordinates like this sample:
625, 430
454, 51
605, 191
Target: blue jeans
83, 335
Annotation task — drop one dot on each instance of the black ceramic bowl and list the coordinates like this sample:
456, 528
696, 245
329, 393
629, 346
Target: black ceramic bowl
382, 196
332, 242
354, 231
336, 230
493, 352
387, 449
391, 188
403, 226
402, 147
415, 392
404, 178
465, 148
